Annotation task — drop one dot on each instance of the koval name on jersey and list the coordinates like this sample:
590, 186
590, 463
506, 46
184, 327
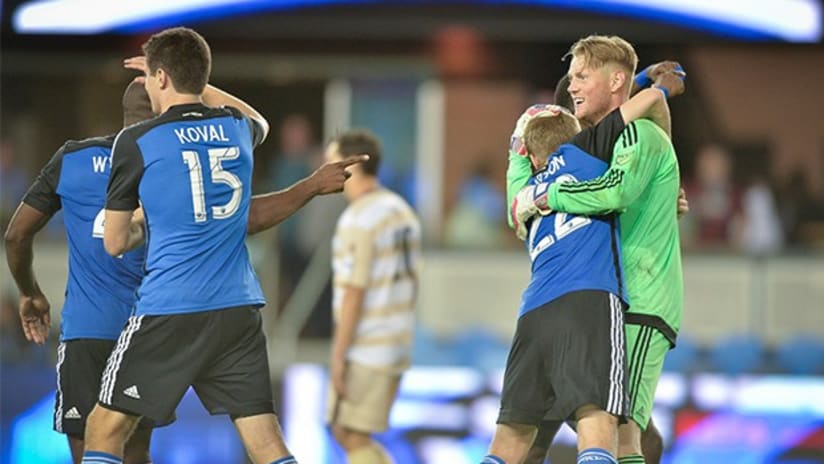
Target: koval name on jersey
204, 133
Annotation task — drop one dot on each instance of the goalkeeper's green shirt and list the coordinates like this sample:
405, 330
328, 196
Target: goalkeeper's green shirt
642, 183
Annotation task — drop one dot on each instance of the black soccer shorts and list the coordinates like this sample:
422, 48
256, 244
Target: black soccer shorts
221, 353
568, 353
80, 364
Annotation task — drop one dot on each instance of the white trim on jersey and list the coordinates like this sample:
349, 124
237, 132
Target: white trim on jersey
113, 365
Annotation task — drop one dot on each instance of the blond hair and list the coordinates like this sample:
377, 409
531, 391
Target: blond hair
544, 134
600, 50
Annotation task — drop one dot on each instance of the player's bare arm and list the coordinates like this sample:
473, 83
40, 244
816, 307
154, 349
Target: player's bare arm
270, 209
351, 312
651, 103
121, 233
19, 238
215, 97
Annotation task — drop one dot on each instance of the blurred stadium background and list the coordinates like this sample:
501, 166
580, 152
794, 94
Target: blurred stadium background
442, 82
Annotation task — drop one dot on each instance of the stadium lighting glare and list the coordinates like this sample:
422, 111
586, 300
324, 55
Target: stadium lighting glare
790, 20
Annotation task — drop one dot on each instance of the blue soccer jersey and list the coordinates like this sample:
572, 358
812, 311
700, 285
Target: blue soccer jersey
191, 169
568, 252
101, 289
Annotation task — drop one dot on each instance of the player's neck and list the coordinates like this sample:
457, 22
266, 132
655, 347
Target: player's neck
616, 103
361, 187
179, 99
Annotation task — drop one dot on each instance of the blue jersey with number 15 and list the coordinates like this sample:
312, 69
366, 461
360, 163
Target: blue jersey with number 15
571, 253
191, 169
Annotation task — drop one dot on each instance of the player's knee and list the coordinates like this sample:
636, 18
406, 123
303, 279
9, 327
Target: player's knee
629, 439
106, 424
593, 413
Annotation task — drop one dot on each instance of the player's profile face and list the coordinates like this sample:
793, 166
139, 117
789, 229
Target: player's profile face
589, 88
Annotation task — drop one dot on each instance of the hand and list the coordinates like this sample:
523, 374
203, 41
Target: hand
138, 217
531, 200
671, 81
330, 177
338, 372
34, 315
138, 63
516, 141
663, 67
683, 204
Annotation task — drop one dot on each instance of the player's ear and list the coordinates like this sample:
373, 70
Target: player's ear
617, 79
536, 163
162, 78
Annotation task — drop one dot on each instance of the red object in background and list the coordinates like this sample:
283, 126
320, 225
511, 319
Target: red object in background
688, 419
813, 441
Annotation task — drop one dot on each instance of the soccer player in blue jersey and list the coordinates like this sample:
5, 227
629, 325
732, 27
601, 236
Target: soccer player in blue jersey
571, 309
100, 288
568, 351
196, 319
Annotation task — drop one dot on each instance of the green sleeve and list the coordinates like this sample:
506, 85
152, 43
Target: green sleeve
518, 172
635, 159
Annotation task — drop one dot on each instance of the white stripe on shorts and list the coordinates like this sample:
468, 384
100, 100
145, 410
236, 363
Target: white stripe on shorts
615, 403
58, 409
113, 365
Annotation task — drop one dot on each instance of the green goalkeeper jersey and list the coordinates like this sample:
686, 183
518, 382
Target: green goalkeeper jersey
642, 184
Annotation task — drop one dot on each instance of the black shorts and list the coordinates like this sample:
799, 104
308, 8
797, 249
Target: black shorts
222, 354
80, 364
568, 353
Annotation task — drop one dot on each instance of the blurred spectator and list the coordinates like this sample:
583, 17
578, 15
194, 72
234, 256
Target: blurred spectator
13, 182
759, 230
315, 227
476, 221
714, 201
292, 163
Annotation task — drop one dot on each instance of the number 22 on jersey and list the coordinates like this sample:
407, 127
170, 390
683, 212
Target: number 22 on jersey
218, 176
564, 225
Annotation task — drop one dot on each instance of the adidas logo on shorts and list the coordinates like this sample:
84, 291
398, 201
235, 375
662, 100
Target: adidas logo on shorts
72, 413
132, 392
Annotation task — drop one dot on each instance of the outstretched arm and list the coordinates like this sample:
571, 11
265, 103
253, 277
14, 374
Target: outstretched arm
270, 209
19, 239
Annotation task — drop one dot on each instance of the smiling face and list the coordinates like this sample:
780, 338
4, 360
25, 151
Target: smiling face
590, 90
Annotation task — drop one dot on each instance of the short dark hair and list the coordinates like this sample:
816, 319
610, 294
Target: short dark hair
184, 55
544, 134
136, 104
357, 142
562, 96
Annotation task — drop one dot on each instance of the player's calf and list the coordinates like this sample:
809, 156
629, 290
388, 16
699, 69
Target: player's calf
597, 435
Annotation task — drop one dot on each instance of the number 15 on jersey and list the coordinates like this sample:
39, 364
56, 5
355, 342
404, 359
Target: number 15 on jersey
217, 176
